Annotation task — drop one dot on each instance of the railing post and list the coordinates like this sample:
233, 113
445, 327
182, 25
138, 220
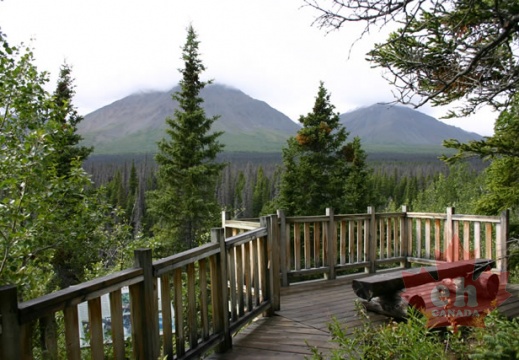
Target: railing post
144, 309
332, 243
449, 241
502, 242
273, 269
404, 238
9, 324
283, 247
220, 298
372, 250
274, 256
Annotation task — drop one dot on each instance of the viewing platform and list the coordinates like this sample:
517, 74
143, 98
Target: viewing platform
262, 290
306, 310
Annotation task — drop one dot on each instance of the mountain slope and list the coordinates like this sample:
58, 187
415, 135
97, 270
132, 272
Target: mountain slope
392, 128
135, 123
387, 126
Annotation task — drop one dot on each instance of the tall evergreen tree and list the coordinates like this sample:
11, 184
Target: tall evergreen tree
184, 205
315, 161
66, 114
261, 194
356, 189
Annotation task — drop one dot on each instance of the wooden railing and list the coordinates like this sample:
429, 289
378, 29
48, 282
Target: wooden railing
312, 246
206, 294
184, 305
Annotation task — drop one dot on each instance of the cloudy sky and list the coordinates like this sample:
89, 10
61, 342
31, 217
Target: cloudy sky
268, 49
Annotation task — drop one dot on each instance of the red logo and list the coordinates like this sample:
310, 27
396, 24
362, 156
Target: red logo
455, 293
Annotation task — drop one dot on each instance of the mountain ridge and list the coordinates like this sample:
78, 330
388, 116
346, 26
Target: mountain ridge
383, 124
135, 123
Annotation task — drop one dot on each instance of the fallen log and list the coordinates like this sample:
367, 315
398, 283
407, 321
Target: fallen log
386, 285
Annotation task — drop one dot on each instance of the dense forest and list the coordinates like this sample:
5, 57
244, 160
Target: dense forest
250, 181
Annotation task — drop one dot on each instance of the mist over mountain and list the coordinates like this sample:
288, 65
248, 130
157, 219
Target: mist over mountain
136, 123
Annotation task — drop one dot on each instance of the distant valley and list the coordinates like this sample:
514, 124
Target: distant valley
134, 124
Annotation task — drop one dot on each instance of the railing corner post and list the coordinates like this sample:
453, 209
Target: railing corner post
273, 234
9, 323
273, 278
144, 304
332, 243
283, 247
221, 296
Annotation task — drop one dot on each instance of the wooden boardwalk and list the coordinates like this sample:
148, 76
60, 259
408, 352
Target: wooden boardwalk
306, 310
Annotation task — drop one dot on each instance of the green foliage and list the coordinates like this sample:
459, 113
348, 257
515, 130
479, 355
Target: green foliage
66, 114
412, 339
428, 57
357, 189
261, 195
502, 176
406, 340
316, 161
460, 188
184, 206
47, 211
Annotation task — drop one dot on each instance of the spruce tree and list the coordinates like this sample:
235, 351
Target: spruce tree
357, 193
315, 162
184, 205
65, 113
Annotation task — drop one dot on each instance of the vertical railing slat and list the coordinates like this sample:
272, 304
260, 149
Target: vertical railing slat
317, 244
232, 282
437, 239
239, 280
297, 247
382, 239
191, 306
307, 250
427, 238
204, 299
255, 271
342, 246
248, 277
179, 313
466, 240
96, 328
477, 240
70, 315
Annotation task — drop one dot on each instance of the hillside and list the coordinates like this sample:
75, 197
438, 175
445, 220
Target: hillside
383, 127
135, 123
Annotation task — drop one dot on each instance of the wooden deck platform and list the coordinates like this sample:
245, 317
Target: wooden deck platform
306, 310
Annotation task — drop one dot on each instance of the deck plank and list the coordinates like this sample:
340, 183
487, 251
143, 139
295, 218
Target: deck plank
306, 311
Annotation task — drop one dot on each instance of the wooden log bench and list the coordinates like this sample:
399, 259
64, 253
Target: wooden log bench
391, 294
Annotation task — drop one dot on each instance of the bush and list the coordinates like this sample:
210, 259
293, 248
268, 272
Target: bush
412, 339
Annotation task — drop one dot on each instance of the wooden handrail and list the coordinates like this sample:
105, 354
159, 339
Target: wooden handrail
186, 281
240, 276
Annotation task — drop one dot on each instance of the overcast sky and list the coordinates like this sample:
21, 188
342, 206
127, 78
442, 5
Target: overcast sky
268, 49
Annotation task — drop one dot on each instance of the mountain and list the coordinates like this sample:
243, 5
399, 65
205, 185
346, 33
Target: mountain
135, 123
384, 127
